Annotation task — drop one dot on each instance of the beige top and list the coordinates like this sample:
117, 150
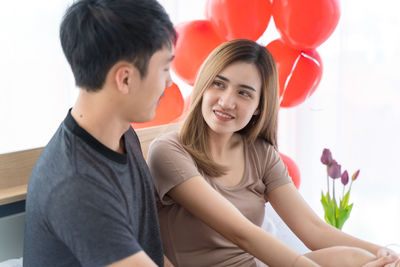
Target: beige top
187, 241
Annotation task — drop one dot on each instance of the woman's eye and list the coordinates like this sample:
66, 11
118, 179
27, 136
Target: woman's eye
244, 93
218, 84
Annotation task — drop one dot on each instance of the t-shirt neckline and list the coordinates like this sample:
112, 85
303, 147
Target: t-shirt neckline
74, 127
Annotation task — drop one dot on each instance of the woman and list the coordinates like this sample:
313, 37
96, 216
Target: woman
212, 179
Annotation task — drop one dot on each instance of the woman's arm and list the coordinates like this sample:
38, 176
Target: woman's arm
167, 262
302, 220
200, 199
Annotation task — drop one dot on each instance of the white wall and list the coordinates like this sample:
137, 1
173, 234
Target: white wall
37, 86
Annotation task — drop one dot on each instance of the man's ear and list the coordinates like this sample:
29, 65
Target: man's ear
124, 78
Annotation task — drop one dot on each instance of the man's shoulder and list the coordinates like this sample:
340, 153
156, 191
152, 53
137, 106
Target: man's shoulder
58, 167
57, 155
132, 140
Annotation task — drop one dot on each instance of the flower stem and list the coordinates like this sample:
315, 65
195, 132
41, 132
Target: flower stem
327, 178
343, 192
334, 190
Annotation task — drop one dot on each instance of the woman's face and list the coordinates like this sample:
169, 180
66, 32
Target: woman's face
232, 99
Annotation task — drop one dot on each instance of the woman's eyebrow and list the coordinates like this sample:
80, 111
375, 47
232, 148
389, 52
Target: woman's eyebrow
222, 78
240, 85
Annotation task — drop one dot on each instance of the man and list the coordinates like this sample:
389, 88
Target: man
90, 199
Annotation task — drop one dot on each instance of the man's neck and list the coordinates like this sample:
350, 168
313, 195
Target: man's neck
96, 114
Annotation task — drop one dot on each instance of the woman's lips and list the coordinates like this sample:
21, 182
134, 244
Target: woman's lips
223, 116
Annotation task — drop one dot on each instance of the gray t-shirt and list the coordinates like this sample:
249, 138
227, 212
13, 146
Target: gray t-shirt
88, 205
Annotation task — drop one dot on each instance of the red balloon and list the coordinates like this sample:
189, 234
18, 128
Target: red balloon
186, 104
293, 170
299, 72
305, 24
196, 40
235, 19
169, 109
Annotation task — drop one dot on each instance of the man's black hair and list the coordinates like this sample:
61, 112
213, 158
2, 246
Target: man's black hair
96, 34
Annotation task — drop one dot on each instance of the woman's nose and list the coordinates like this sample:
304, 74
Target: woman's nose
227, 100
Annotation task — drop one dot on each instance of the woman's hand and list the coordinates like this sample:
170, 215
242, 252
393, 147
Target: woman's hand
385, 258
386, 252
393, 264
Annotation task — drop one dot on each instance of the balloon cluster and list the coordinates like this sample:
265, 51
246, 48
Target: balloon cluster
303, 26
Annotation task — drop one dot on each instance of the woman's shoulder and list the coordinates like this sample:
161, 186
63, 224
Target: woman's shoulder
167, 155
167, 137
263, 150
262, 144
166, 142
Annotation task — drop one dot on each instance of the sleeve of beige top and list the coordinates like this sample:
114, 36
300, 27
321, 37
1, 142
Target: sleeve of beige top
275, 173
170, 165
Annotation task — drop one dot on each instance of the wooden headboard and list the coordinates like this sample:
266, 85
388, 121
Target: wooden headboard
16, 167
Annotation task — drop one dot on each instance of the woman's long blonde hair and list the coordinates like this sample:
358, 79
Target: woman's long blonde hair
193, 135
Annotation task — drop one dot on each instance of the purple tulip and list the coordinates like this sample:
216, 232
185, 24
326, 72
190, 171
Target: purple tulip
334, 169
326, 157
345, 177
355, 175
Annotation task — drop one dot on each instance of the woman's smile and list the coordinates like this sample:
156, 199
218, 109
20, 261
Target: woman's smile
223, 116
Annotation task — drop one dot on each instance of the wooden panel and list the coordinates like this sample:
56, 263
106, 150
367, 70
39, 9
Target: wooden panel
16, 167
147, 135
13, 194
